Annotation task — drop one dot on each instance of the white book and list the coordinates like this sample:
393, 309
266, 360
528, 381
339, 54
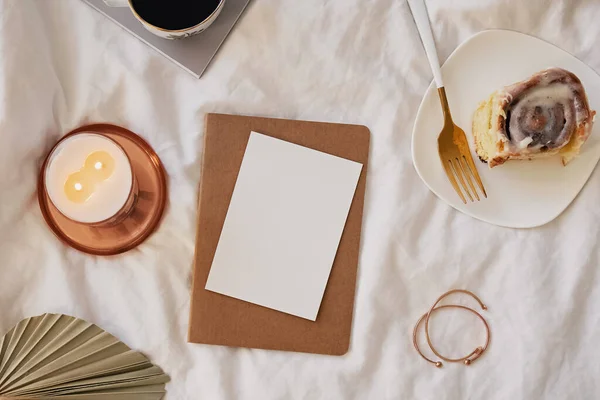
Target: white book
192, 54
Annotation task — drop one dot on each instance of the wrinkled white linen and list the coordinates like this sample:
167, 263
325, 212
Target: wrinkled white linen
62, 64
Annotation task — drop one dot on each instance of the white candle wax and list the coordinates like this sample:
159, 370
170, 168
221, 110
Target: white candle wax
88, 178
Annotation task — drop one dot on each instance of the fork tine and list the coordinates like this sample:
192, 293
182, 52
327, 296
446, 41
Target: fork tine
448, 167
464, 168
473, 170
457, 171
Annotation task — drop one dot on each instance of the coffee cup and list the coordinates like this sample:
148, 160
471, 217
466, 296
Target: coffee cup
173, 19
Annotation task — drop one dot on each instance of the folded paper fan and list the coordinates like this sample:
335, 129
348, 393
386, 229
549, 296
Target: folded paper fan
57, 356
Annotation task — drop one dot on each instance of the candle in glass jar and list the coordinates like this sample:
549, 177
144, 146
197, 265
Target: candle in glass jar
88, 178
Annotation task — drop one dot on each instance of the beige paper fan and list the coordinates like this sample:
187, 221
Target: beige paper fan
57, 356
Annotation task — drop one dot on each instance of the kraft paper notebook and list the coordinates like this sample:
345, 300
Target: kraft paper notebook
222, 320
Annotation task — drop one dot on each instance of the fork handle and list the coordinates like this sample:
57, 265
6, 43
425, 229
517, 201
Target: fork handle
419, 12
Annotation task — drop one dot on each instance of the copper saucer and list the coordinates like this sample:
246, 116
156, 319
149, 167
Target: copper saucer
139, 224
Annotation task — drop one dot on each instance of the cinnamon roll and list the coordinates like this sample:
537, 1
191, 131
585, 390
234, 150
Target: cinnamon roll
544, 115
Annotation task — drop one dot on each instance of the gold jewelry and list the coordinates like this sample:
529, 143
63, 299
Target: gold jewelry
468, 359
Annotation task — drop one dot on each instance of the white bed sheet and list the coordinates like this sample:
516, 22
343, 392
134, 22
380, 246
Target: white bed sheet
62, 65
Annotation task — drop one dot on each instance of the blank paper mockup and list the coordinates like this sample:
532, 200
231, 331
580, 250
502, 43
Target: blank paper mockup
283, 226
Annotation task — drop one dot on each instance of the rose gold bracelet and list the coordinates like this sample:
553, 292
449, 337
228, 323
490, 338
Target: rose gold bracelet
468, 359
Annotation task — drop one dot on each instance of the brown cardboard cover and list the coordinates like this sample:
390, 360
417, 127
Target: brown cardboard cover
221, 320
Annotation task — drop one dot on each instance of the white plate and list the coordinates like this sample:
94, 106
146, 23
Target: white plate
521, 194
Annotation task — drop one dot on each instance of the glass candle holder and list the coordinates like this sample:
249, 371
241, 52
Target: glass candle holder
102, 189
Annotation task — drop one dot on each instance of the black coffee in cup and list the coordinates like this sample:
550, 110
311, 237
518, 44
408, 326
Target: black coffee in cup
174, 14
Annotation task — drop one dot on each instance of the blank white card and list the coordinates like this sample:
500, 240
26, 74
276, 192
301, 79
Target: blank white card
283, 226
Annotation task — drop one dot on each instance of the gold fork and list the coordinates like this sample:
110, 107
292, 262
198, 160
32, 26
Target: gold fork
453, 147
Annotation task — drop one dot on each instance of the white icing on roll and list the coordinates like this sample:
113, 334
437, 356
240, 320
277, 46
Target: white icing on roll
543, 112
